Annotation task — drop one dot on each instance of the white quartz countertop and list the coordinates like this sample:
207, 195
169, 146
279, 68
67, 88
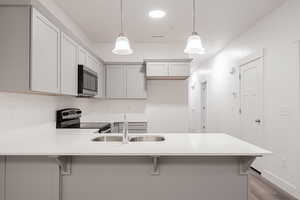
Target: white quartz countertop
78, 142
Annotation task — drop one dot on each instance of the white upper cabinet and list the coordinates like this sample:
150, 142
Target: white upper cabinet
115, 81
168, 70
101, 81
135, 81
42, 58
45, 68
69, 65
179, 69
82, 56
92, 63
96, 66
126, 81
157, 69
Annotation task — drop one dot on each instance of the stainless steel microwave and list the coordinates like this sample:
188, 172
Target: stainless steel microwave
87, 82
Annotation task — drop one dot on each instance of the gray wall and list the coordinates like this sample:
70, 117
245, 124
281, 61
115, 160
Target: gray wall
14, 48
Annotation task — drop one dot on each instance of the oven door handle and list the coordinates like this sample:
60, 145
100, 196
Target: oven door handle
105, 131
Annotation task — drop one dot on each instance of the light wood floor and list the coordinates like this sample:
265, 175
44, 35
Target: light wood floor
261, 189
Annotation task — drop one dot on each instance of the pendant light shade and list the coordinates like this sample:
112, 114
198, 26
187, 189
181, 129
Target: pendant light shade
122, 45
194, 43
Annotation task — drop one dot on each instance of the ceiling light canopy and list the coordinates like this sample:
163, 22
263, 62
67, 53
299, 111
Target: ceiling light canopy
122, 45
157, 14
194, 43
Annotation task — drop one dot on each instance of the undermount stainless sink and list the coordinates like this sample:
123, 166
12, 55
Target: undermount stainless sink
115, 138
147, 138
108, 139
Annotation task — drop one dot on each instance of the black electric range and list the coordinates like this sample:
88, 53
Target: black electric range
70, 118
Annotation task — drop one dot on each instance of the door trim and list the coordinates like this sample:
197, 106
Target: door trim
201, 98
251, 58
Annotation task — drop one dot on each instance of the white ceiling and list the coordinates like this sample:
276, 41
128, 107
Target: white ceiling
218, 21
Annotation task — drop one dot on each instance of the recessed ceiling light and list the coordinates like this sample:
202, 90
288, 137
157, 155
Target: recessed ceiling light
156, 14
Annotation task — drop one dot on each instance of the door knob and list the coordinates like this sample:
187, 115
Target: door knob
258, 121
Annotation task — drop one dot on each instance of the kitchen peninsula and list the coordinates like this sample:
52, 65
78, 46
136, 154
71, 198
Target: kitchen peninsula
67, 164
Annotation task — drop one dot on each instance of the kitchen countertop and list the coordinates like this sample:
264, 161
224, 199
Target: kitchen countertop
41, 141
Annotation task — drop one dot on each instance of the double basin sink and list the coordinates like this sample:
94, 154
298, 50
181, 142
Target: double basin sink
145, 138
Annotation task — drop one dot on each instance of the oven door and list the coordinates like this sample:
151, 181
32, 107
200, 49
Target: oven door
87, 82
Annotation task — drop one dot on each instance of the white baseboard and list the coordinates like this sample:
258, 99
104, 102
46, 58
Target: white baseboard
281, 183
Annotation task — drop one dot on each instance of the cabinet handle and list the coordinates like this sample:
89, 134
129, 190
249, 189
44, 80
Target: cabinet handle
258, 121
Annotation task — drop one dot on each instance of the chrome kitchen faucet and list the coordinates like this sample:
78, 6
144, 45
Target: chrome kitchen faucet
125, 129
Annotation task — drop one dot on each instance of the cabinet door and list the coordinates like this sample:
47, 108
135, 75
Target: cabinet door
157, 69
82, 56
179, 69
115, 81
101, 81
45, 68
31, 178
92, 63
135, 81
69, 62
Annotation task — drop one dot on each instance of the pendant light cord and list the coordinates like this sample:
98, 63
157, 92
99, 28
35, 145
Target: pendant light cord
194, 16
122, 26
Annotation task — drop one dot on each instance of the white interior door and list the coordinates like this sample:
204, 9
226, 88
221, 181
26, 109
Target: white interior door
203, 106
251, 80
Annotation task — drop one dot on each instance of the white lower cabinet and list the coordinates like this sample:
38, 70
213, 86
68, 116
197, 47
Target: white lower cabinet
126, 81
45, 55
69, 65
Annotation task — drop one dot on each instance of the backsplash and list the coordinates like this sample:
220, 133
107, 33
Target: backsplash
166, 108
26, 110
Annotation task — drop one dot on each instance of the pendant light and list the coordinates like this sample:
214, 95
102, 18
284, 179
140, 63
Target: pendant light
194, 43
122, 45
